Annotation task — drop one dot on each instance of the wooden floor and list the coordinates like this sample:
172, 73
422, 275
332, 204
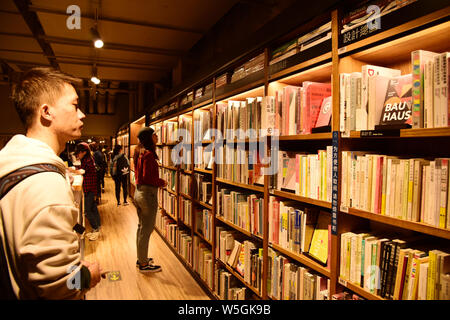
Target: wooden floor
116, 251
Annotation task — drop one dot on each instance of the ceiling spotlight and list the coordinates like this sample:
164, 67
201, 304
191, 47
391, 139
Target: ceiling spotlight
98, 42
95, 80
94, 77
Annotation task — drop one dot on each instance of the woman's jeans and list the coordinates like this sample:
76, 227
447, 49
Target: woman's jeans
146, 201
91, 211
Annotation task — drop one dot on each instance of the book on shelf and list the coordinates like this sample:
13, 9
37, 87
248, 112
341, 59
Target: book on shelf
398, 269
291, 281
324, 118
314, 93
397, 101
319, 246
409, 189
373, 86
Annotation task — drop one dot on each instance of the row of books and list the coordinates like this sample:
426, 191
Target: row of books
204, 223
253, 65
185, 212
184, 247
410, 189
180, 239
398, 269
299, 109
167, 132
165, 155
242, 209
234, 115
226, 286
185, 183
203, 158
301, 231
301, 43
307, 175
202, 122
239, 165
185, 128
203, 91
202, 261
290, 281
202, 188
346, 295
382, 96
244, 256
167, 227
170, 176
168, 201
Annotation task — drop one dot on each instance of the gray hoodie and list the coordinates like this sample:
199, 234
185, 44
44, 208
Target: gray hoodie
38, 216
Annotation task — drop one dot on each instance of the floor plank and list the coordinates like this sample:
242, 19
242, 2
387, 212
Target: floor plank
116, 251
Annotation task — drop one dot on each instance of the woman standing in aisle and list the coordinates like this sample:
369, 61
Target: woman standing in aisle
146, 195
120, 170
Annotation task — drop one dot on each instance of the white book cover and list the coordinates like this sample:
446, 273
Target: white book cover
368, 71
354, 98
444, 89
343, 79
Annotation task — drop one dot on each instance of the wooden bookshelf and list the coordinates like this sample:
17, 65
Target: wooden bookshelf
188, 266
201, 203
241, 185
198, 234
411, 133
206, 171
389, 47
358, 290
404, 224
239, 277
243, 231
303, 259
293, 196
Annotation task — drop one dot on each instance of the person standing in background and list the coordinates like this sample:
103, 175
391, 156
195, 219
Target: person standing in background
89, 188
120, 171
146, 195
38, 215
100, 167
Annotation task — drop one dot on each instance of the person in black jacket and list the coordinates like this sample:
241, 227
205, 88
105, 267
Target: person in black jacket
100, 167
120, 169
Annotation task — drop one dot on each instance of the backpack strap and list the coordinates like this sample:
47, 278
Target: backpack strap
12, 179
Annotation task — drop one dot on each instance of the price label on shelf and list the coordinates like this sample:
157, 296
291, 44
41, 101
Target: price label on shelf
343, 281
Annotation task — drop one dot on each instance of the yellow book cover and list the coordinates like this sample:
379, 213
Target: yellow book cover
431, 275
319, 242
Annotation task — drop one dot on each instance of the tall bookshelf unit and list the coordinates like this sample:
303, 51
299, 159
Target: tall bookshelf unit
427, 30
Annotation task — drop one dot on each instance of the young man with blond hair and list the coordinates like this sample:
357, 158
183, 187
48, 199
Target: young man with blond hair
38, 214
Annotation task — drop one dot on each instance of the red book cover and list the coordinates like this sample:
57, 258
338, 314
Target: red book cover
397, 102
324, 117
314, 93
276, 221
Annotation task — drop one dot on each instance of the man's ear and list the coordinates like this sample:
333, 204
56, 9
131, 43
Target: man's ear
45, 112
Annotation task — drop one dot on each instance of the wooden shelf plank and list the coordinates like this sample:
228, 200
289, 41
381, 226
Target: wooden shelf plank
358, 290
410, 133
239, 277
296, 197
241, 185
303, 259
185, 196
198, 234
405, 224
203, 171
241, 230
201, 203
312, 136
